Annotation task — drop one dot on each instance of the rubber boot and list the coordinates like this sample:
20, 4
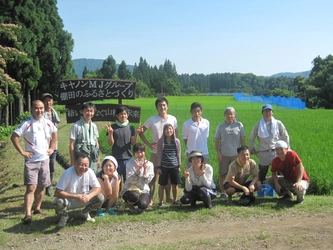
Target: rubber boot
47, 189
205, 197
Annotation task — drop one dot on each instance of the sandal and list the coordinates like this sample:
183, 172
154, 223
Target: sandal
40, 211
27, 219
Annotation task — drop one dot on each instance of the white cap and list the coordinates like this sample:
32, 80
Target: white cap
111, 158
281, 144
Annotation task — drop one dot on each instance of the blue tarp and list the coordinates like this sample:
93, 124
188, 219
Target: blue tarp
293, 103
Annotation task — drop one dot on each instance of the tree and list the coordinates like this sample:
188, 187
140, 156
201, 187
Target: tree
44, 40
9, 56
109, 68
320, 83
123, 72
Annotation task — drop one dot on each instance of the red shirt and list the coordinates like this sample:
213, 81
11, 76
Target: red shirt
288, 167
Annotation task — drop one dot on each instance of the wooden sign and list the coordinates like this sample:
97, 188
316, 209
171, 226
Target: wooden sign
83, 90
105, 112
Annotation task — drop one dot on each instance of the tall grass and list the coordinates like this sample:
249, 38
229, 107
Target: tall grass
309, 130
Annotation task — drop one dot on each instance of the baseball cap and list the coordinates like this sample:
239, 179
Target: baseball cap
281, 144
47, 95
267, 106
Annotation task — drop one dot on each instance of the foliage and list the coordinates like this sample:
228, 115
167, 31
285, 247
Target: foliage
9, 56
48, 46
319, 86
22, 117
108, 68
123, 72
6, 132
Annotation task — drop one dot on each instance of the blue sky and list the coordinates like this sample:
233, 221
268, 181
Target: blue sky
203, 36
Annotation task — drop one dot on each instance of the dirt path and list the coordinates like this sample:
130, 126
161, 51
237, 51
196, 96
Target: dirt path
255, 232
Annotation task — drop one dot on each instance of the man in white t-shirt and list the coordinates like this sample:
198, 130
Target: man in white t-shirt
195, 132
40, 137
78, 187
155, 124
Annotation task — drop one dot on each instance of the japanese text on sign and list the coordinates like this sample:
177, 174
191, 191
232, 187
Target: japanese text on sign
105, 112
82, 90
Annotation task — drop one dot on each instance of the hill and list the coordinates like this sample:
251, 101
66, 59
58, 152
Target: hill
293, 75
91, 64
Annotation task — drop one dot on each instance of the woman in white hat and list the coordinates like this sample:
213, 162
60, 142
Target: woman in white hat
109, 180
199, 184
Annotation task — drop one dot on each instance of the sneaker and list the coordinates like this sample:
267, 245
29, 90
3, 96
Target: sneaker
86, 217
100, 212
299, 202
160, 204
111, 212
177, 203
223, 195
63, 221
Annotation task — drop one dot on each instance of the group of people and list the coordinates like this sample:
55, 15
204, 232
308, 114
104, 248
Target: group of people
94, 185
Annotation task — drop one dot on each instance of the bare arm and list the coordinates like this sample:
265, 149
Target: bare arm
144, 139
134, 138
109, 130
15, 140
217, 148
71, 150
232, 182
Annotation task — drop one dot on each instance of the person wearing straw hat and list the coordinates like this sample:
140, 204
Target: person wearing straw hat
199, 183
268, 131
293, 178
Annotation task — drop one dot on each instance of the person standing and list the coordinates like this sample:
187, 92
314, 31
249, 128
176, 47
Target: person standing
168, 163
83, 137
51, 114
40, 137
155, 124
195, 133
268, 131
293, 178
229, 136
121, 136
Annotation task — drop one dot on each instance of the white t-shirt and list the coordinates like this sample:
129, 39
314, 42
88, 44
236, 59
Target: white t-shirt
70, 182
156, 123
37, 137
196, 135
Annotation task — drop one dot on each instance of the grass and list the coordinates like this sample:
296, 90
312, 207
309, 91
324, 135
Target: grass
308, 131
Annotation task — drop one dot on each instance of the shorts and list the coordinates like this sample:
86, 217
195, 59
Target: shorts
224, 165
37, 173
227, 185
173, 173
